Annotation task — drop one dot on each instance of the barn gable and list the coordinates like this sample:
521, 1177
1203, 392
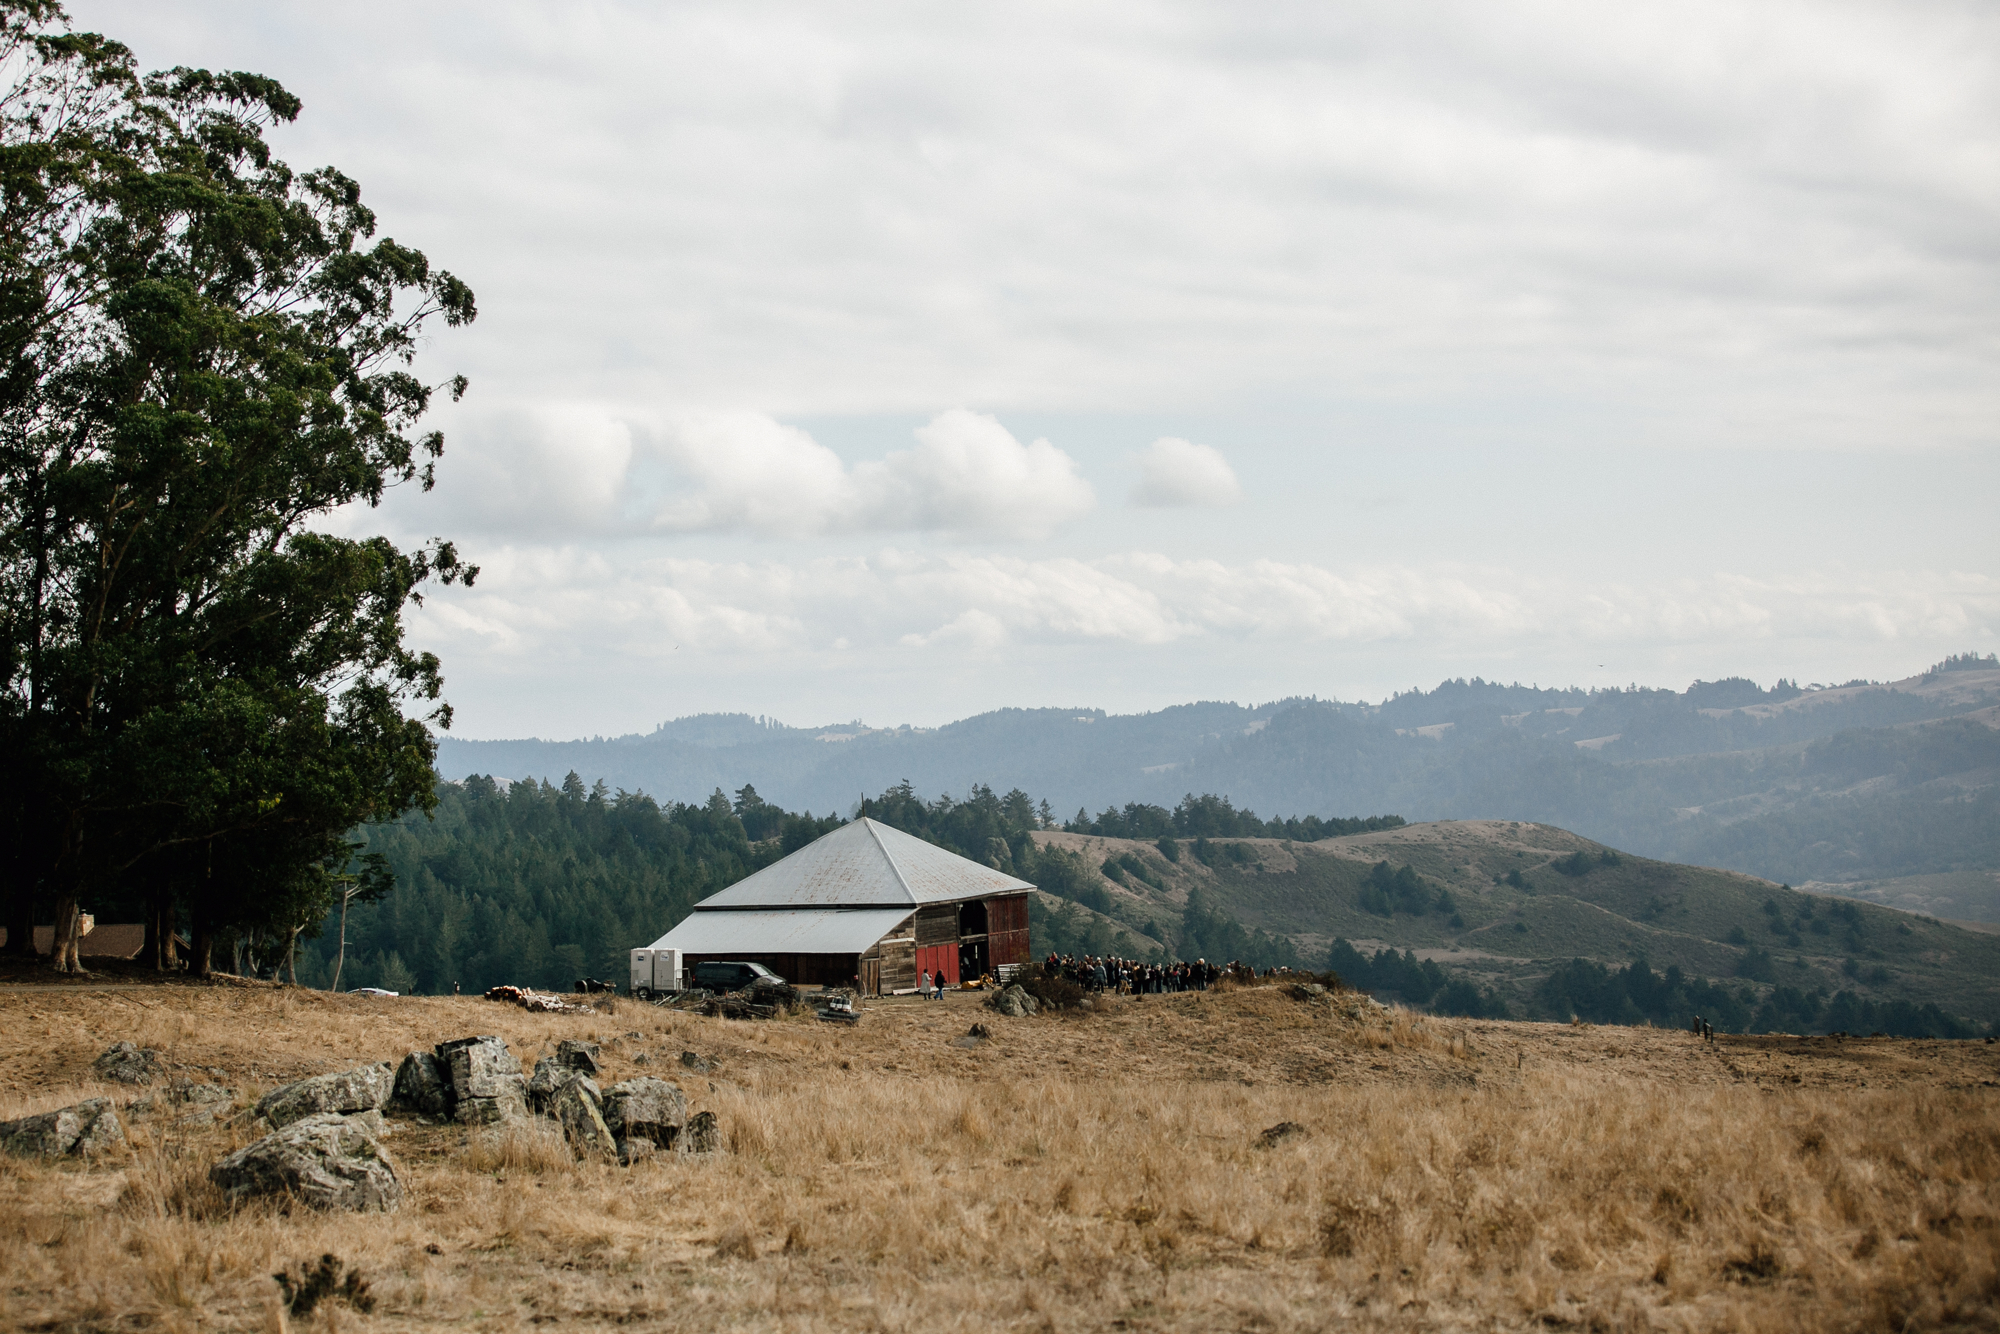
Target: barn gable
865, 864
866, 905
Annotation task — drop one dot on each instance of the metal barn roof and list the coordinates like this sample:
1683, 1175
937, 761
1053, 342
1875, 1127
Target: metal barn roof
783, 931
863, 864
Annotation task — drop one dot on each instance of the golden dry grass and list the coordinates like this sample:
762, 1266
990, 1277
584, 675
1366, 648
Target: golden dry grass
1071, 1173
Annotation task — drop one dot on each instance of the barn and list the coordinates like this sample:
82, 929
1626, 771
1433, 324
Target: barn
865, 906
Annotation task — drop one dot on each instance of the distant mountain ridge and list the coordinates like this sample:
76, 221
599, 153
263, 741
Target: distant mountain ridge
1885, 790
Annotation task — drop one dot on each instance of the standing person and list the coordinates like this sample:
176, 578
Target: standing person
924, 991
937, 979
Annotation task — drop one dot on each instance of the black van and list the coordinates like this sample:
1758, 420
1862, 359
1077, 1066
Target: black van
725, 976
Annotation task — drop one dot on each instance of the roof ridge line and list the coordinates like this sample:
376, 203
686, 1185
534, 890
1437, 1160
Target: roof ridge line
901, 879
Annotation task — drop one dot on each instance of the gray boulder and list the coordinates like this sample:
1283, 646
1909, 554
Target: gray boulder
485, 1080
702, 1134
645, 1108
632, 1151
328, 1160
549, 1077
1014, 1002
362, 1089
583, 1057
421, 1086
123, 1063
576, 1106
87, 1128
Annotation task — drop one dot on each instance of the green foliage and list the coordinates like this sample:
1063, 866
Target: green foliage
1209, 816
1581, 863
1388, 892
1404, 976
1756, 965
1207, 933
1636, 994
538, 885
1125, 864
202, 354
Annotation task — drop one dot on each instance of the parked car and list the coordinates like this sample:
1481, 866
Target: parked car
722, 975
370, 991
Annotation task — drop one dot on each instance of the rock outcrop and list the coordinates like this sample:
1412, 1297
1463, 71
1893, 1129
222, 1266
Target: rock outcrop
586, 1058
549, 1078
88, 1127
485, 1080
328, 1160
1014, 1002
421, 1086
577, 1106
645, 1109
702, 1135
123, 1063
365, 1088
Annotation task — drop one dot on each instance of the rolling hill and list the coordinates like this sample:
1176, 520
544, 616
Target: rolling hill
1888, 791
1506, 905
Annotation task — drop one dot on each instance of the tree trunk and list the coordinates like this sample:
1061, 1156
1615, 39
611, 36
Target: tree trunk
161, 952
65, 956
341, 961
292, 956
202, 947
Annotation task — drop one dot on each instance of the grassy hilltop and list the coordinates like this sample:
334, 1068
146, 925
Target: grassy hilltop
1249, 1159
1502, 903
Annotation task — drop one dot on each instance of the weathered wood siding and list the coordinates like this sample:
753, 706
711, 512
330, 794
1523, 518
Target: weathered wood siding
899, 965
937, 925
1007, 930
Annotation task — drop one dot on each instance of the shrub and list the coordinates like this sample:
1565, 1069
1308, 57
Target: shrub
1051, 992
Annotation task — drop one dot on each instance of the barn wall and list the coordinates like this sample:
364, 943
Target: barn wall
940, 958
1007, 926
899, 965
937, 925
1007, 914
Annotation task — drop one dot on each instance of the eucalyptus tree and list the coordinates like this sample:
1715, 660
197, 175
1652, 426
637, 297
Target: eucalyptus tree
202, 354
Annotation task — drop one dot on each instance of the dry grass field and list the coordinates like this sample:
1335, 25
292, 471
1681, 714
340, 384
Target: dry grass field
1092, 1172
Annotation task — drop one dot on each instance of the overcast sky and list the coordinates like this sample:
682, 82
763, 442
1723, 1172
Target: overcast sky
902, 362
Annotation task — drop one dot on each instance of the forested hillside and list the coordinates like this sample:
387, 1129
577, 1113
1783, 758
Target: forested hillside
540, 885
1847, 785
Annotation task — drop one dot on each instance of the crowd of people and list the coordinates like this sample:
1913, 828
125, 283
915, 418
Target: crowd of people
1132, 977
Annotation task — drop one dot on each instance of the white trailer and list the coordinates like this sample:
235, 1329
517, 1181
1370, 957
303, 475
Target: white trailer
655, 971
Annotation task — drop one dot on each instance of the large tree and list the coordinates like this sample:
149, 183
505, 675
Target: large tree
202, 354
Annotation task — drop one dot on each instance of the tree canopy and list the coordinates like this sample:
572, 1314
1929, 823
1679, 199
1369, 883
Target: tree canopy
202, 354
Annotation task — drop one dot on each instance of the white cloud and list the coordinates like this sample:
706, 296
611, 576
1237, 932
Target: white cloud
530, 600
539, 470
751, 472
926, 637
967, 475
1176, 472
1762, 222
